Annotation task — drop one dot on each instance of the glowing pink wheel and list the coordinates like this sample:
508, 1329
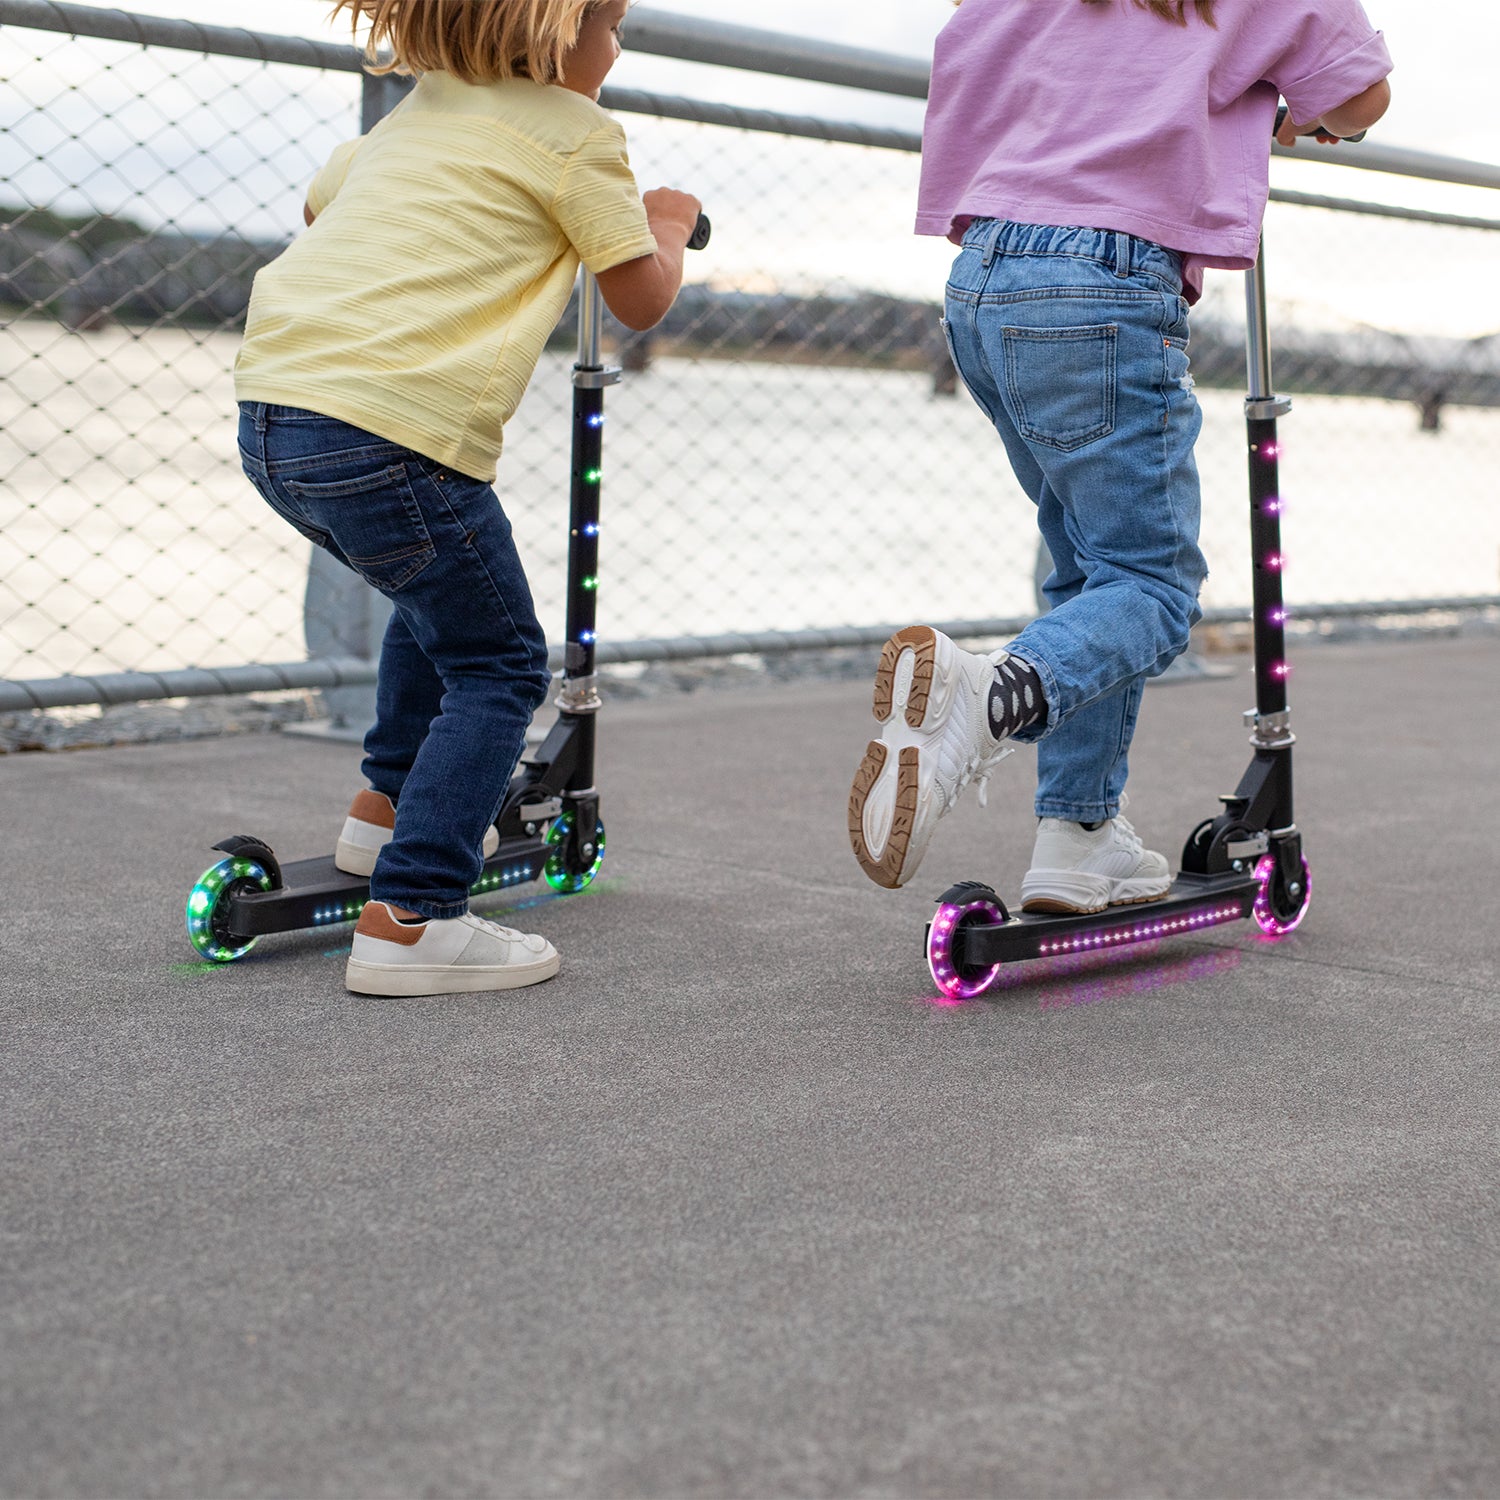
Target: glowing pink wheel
1279, 909
976, 906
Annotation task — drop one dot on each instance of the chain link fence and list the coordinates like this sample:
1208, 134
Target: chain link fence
787, 454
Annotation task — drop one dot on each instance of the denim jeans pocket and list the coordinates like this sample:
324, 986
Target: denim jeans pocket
1061, 382
375, 519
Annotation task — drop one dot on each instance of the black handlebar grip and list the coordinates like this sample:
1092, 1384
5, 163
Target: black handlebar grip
702, 233
1281, 113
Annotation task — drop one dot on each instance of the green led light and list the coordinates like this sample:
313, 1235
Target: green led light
562, 879
591, 582
222, 883
593, 476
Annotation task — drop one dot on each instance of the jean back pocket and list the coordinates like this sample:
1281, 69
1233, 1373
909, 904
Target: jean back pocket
376, 521
1061, 382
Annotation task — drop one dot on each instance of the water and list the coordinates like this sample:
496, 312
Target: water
737, 497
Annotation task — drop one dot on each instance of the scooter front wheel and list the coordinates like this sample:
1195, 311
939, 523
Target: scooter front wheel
572, 865
1280, 906
208, 926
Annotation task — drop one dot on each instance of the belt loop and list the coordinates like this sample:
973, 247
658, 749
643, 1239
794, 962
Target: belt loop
1122, 254
991, 237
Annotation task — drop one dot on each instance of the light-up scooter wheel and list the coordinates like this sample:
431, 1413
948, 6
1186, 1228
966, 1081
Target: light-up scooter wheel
570, 868
208, 908
1280, 908
963, 906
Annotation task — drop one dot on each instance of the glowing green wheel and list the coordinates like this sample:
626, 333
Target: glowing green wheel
570, 868
208, 908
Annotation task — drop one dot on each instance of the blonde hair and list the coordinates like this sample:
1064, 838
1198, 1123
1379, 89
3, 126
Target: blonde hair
478, 41
1171, 10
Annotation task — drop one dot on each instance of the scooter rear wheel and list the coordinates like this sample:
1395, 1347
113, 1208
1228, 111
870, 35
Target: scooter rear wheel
208, 908
963, 906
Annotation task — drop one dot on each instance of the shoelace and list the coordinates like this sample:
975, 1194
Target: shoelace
1132, 838
508, 933
980, 773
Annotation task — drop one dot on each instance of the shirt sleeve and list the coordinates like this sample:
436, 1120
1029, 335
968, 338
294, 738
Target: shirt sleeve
598, 205
330, 179
1333, 56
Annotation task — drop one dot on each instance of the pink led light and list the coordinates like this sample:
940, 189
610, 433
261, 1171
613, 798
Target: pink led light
1277, 616
1275, 562
1281, 669
940, 950
1209, 917
1270, 924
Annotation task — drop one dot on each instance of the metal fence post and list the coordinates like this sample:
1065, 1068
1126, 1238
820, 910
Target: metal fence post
341, 614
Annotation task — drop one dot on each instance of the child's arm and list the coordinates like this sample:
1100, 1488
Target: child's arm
1351, 117
641, 292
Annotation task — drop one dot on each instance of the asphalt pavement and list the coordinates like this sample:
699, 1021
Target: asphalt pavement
734, 1207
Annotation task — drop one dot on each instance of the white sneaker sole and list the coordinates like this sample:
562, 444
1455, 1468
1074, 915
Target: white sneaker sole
889, 823
407, 980
1074, 892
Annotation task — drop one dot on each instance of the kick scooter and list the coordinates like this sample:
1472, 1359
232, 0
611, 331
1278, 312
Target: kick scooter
1246, 862
549, 822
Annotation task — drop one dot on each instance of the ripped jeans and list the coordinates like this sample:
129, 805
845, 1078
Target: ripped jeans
1074, 343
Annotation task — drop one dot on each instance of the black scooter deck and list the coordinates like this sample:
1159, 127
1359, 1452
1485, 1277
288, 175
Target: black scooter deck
316, 893
1195, 902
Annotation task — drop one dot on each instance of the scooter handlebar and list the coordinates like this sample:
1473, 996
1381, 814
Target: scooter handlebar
702, 233
1281, 114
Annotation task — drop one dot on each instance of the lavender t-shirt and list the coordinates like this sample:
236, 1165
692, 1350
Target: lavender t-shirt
1109, 117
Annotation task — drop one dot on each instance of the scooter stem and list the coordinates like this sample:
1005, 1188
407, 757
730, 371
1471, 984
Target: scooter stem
590, 321
1257, 331
1262, 408
590, 378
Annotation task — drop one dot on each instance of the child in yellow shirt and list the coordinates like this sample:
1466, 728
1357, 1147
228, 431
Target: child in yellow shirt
384, 351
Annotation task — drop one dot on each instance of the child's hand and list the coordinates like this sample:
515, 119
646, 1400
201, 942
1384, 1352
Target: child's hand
1288, 132
676, 213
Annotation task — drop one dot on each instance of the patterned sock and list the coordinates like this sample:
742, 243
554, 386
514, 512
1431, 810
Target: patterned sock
1016, 699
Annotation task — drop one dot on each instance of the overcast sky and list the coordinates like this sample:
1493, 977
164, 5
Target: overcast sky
1444, 102
1446, 54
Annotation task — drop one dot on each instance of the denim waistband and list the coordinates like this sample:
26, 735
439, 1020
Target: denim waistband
1126, 254
261, 412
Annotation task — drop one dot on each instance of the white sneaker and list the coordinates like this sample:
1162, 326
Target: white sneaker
932, 700
1073, 870
455, 956
367, 830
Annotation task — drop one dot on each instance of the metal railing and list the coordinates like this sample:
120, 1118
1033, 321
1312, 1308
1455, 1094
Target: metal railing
772, 466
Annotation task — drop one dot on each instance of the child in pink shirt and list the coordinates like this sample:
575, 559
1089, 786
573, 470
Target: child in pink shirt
1091, 157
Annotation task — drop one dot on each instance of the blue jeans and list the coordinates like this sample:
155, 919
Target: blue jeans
1074, 343
464, 662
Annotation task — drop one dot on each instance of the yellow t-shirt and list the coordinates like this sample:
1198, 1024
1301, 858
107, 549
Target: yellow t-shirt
445, 245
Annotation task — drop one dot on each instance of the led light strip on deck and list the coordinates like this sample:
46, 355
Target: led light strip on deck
1141, 932
493, 880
